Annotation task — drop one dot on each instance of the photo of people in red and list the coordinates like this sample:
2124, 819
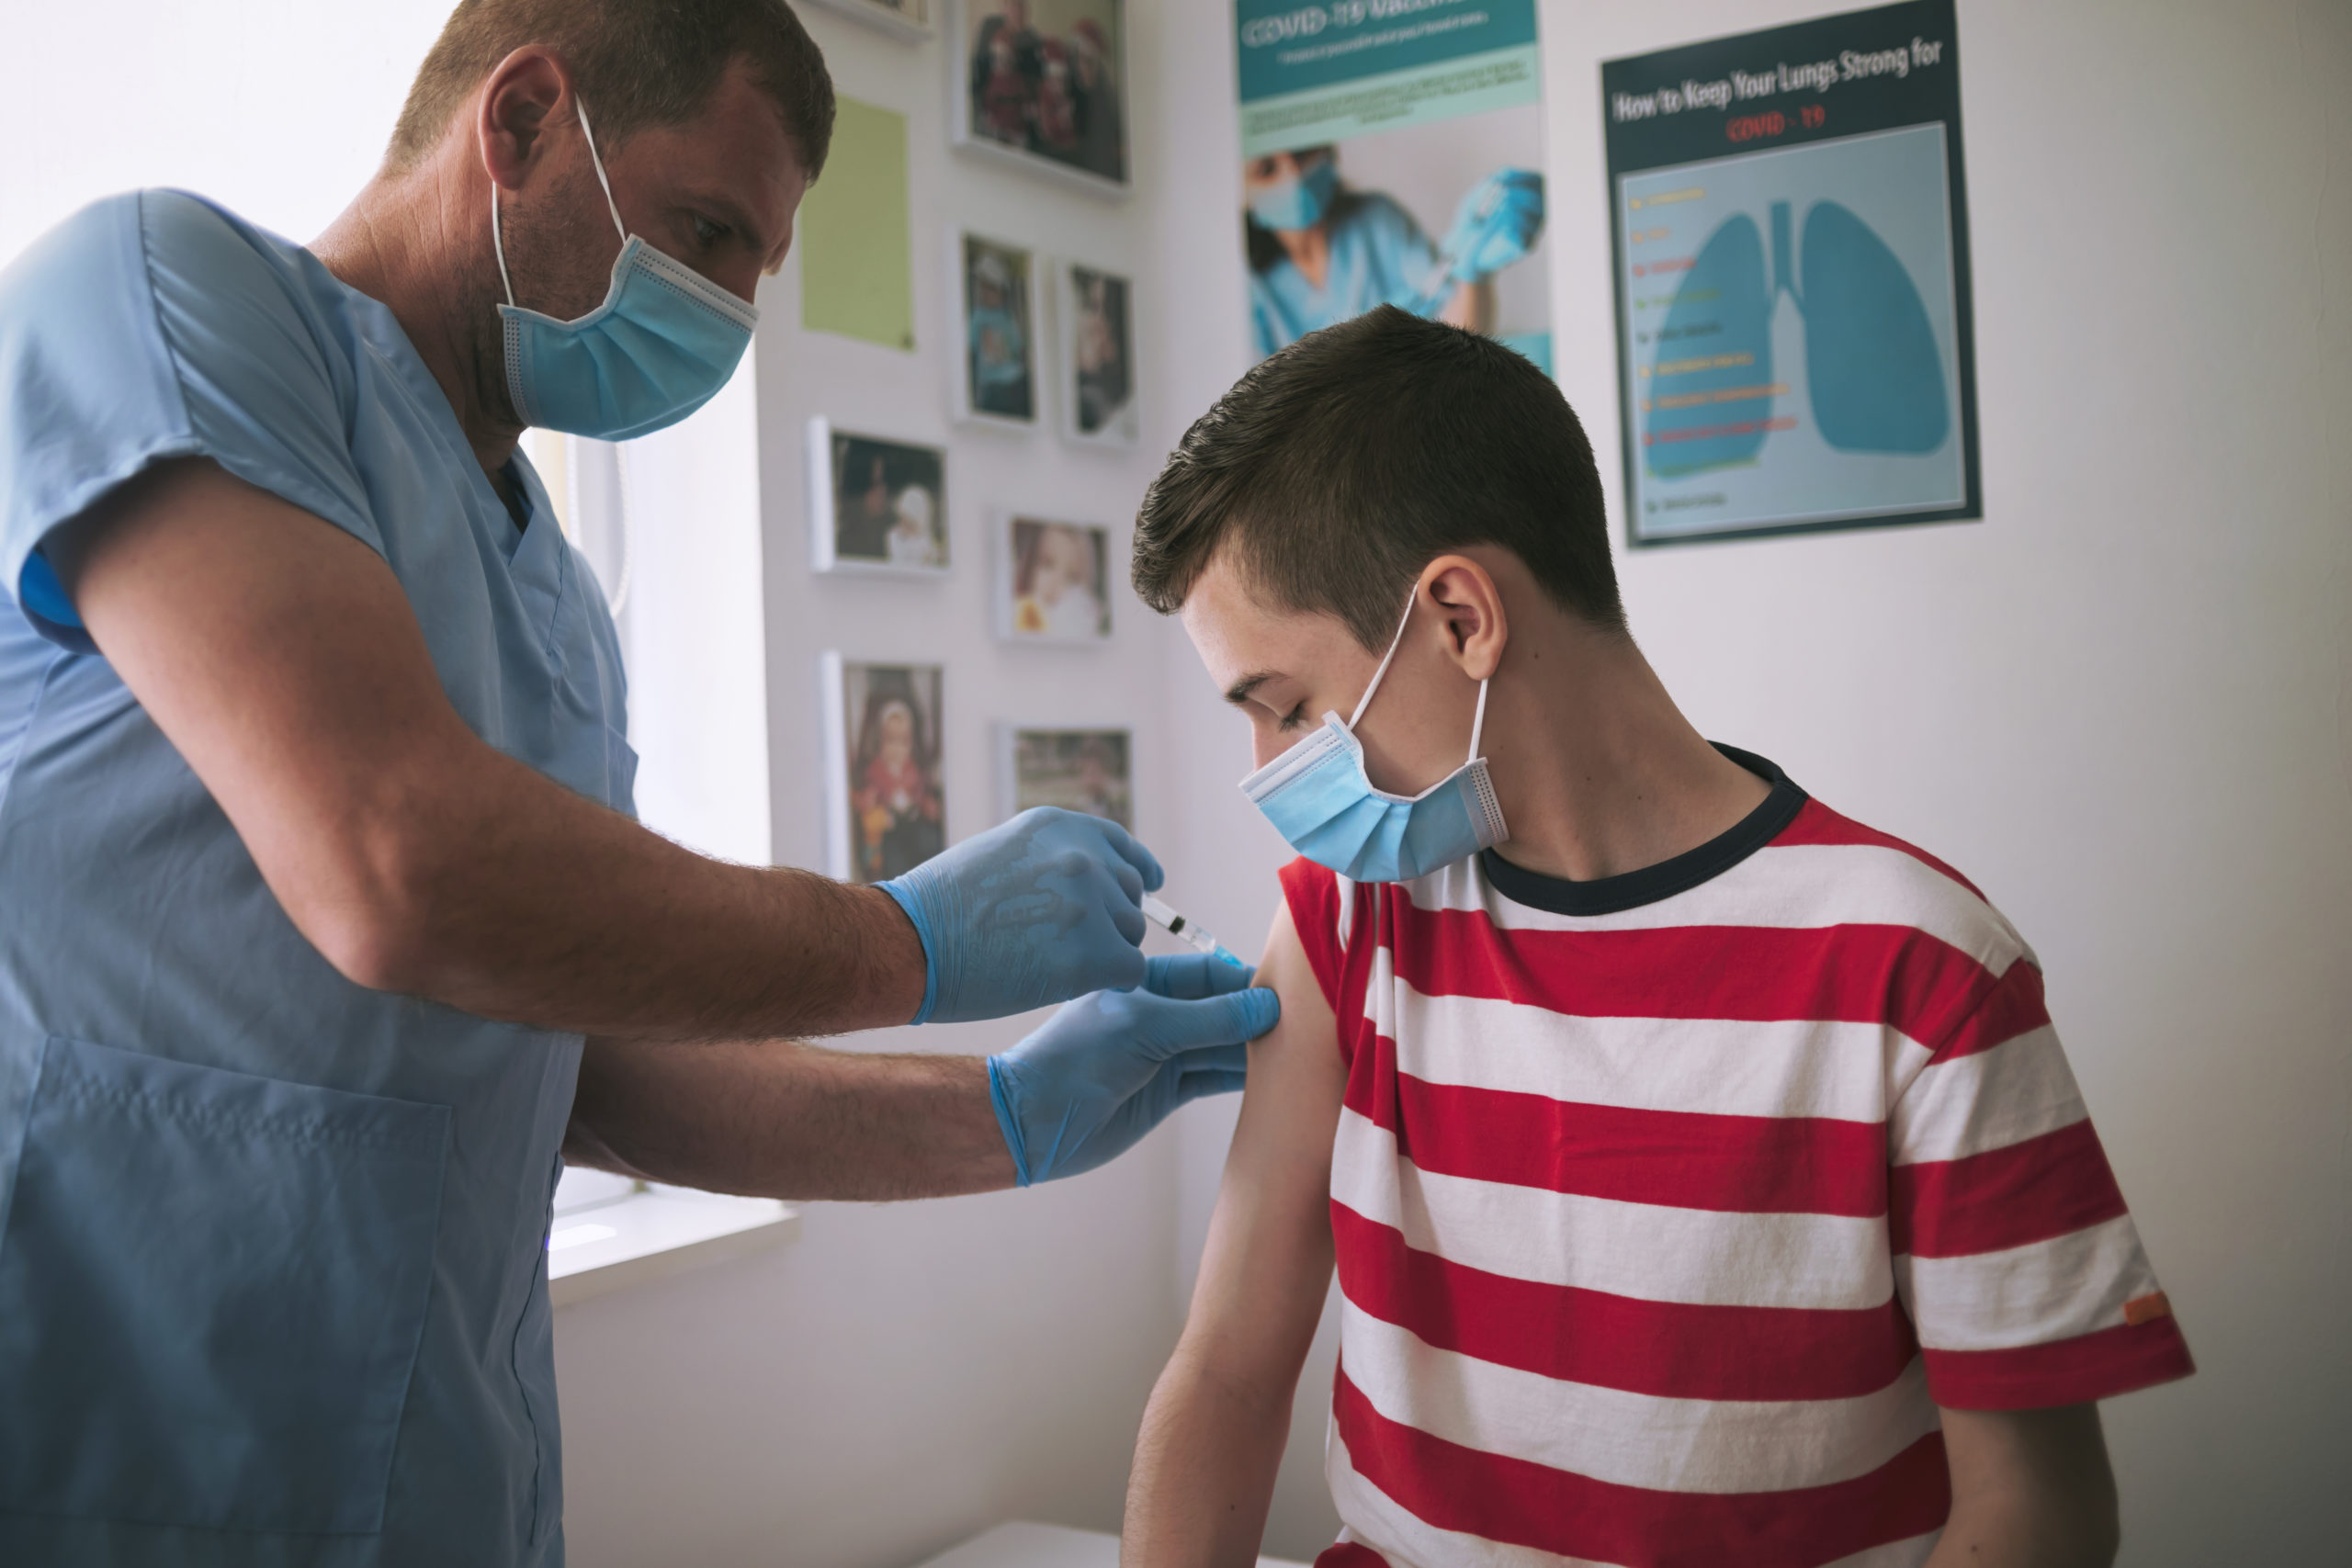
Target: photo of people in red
896, 804
1042, 77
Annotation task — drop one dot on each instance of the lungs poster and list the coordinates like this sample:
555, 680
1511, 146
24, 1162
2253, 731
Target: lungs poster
1392, 154
1790, 235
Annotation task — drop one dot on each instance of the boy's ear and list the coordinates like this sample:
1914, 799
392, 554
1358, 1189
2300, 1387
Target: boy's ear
1475, 628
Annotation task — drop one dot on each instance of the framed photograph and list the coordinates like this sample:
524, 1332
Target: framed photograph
909, 20
1079, 770
886, 795
1043, 83
1053, 580
1098, 354
996, 292
875, 504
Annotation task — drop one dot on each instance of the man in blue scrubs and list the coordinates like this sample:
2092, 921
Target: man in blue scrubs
1321, 251
324, 924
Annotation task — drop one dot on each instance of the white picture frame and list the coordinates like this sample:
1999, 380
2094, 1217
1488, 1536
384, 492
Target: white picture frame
1052, 580
897, 525
1021, 781
994, 299
853, 695
1090, 302
983, 124
908, 20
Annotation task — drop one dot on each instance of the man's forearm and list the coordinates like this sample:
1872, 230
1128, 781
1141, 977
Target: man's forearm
1205, 1468
781, 1120
538, 906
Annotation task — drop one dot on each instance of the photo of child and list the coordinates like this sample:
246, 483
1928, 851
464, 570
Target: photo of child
1078, 769
893, 801
1099, 388
1041, 82
875, 504
999, 340
1054, 580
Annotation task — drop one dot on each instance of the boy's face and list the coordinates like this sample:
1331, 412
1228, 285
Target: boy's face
1286, 668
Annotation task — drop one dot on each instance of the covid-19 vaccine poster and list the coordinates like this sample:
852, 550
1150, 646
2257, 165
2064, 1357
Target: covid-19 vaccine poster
1392, 154
1789, 226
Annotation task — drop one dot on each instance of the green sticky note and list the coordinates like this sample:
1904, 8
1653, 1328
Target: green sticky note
857, 254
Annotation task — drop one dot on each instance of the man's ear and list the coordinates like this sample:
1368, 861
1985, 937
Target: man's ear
513, 107
1475, 628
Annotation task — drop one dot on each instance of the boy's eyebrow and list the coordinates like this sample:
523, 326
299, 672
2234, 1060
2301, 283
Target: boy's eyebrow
1239, 692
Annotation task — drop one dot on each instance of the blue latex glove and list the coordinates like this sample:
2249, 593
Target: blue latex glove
1104, 1069
1498, 223
1041, 910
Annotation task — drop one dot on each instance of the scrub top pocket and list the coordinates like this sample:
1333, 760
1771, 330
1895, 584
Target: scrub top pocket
212, 1286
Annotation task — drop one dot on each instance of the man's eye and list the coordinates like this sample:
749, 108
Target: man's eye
1292, 719
708, 233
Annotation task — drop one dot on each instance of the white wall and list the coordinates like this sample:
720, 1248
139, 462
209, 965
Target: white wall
280, 108
2120, 702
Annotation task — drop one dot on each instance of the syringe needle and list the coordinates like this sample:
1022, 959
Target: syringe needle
1185, 931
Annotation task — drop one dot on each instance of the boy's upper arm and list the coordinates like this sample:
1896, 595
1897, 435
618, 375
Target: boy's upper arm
1268, 1263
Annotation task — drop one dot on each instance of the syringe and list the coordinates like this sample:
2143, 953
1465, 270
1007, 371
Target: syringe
1184, 930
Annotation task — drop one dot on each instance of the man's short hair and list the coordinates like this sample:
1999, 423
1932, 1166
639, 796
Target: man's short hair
1344, 464
639, 63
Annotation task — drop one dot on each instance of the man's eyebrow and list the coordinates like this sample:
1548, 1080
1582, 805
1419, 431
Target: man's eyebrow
1239, 692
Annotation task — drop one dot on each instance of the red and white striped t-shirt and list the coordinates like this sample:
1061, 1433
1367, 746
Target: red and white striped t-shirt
1669, 1207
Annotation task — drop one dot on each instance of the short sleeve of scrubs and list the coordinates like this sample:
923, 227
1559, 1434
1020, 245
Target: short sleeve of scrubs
147, 328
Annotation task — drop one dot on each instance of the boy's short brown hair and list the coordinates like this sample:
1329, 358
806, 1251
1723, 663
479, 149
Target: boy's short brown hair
1344, 464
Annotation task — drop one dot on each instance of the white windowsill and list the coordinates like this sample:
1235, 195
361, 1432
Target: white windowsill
1022, 1544
662, 1231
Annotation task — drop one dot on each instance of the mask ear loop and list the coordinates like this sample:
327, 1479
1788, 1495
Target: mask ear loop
1393, 644
1477, 725
498, 241
499, 244
580, 109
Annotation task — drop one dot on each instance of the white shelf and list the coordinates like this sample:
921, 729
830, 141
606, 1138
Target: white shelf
666, 1230
1021, 1544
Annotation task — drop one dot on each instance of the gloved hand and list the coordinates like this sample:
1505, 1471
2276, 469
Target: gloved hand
1498, 221
1039, 910
1105, 1068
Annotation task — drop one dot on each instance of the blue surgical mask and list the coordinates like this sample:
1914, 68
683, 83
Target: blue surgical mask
1319, 799
1299, 202
661, 344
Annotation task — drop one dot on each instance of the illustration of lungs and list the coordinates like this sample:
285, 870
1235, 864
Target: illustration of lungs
1710, 389
1877, 379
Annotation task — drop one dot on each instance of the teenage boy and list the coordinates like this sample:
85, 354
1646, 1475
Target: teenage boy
1704, 1180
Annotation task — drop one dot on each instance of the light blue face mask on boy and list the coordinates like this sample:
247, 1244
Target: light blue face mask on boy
1319, 799
660, 345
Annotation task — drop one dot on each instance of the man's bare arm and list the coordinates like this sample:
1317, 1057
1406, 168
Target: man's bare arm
281, 658
2030, 1489
1212, 1434
776, 1118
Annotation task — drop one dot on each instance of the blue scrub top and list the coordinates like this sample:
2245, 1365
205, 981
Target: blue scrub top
273, 1277
1379, 256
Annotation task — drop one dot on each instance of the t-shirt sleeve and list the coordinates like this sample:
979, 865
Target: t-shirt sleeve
1322, 911
149, 327
2014, 1252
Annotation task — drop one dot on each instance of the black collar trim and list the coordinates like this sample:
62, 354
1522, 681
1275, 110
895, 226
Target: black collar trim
1613, 895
